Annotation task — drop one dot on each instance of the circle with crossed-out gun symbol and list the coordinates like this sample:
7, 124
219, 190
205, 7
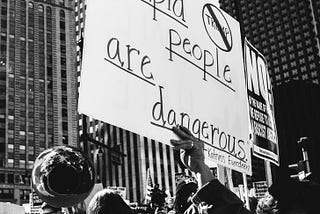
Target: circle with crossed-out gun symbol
217, 27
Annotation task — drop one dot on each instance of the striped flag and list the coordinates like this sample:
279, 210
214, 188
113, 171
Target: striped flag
149, 186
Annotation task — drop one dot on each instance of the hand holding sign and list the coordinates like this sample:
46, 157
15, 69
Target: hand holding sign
191, 153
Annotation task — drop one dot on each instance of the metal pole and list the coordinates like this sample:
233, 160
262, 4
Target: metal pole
85, 133
303, 142
268, 172
306, 158
246, 195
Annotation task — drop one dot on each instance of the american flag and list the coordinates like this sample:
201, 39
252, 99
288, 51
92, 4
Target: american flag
149, 186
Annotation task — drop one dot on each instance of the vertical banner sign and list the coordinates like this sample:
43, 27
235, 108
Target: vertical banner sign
261, 106
149, 65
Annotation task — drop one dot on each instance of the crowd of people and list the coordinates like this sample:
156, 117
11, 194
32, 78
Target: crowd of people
207, 194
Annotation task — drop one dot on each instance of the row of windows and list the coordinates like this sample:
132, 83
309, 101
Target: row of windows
8, 193
31, 5
280, 79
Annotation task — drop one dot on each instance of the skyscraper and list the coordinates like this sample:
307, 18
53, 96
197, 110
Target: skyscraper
37, 87
286, 32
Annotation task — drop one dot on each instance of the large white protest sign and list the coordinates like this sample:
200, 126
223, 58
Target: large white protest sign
261, 106
149, 65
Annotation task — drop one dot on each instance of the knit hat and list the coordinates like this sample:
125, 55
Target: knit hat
185, 189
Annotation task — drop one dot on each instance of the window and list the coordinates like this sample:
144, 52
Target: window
24, 194
2, 178
40, 9
62, 25
63, 49
64, 88
48, 10
304, 69
294, 71
30, 164
63, 37
22, 148
64, 112
62, 14
312, 65
6, 193
4, 23
10, 148
22, 163
64, 100
10, 178
10, 163
63, 73
63, 61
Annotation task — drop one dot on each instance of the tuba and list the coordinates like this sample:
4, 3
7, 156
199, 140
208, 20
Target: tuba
63, 176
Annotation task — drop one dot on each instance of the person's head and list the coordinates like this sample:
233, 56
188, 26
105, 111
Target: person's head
185, 191
79, 208
108, 202
48, 209
267, 205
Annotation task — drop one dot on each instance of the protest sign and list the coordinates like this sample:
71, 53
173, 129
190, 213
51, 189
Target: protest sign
261, 106
150, 65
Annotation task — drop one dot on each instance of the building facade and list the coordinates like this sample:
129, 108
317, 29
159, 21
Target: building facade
37, 87
130, 169
286, 32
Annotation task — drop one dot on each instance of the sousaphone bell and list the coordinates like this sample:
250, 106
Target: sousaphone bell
63, 176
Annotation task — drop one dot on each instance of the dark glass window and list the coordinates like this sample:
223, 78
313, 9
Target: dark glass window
6, 193
64, 112
63, 73
2, 178
65, 126
62, 14
10, 178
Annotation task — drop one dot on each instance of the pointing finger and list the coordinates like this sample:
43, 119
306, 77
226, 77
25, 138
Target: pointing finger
186, 131
183, 135
182, 144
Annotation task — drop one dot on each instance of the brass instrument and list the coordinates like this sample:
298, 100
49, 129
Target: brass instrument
63, 176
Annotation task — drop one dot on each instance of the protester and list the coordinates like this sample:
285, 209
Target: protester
253, 202
158, 197
211, 197
108, 202
169, 203
287, 196
267, 205
218, 199
184, 192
